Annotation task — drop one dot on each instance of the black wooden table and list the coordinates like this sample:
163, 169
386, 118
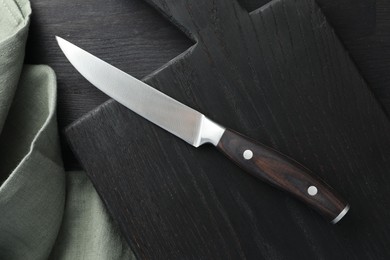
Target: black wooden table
137, 39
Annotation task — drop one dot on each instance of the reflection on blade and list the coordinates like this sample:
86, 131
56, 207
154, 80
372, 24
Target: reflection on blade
146, 101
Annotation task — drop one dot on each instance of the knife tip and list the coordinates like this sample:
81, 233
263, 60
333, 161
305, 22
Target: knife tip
59, 39
63, 44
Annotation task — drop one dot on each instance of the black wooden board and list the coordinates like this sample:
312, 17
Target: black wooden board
132, 30
119, 31
280, 76
371, 52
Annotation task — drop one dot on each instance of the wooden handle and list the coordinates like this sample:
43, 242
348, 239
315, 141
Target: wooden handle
283, 172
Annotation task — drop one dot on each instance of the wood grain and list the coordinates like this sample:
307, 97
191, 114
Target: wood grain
128, 34
282, 172
279, 75
131, 30
371, 53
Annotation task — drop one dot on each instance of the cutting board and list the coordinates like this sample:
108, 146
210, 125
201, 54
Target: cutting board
279, 75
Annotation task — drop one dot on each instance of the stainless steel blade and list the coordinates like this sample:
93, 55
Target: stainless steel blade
166, 112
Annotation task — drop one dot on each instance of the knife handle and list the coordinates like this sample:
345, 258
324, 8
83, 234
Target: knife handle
284, 173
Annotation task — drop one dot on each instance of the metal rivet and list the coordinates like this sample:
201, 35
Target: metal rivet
248, 154
312, 190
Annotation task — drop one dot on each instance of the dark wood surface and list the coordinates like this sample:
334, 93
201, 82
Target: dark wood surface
280, 76
127, 33
136, 38
282, 172
371, 52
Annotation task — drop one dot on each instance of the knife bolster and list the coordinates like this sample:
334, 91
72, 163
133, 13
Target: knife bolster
209, 132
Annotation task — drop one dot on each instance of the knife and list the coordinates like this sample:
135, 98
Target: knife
196, 129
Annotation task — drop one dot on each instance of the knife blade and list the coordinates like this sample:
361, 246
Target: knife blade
196, 129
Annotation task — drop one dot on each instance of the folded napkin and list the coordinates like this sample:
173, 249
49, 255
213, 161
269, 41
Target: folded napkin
44, 212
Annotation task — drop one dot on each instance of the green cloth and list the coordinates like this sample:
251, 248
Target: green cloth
45, 213
87, 231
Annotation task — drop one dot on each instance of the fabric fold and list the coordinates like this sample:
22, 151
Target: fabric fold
14, 21
32, 178
37, 198
87, 231
32, 198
